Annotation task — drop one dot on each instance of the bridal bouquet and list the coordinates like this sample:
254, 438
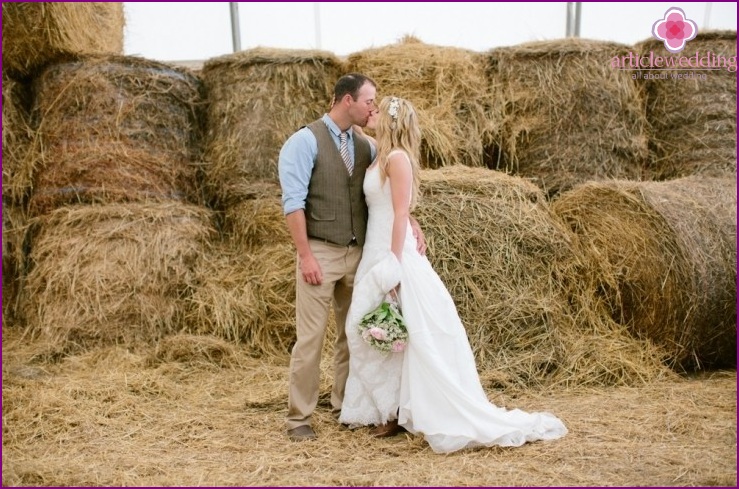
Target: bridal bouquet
384, 328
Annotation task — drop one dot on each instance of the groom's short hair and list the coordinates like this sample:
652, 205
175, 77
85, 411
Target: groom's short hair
351, 83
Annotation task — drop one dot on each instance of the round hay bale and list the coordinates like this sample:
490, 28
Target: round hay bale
274, 273
14, 232
518, 279
667, 258
224, 303
448, 89
37, 33
114, 129
257, 218
256, 99
569, 117
248, 296
17, 135
114, 274
693, 120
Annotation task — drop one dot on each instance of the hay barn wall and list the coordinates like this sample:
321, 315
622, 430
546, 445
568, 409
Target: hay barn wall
17, 134
519, 279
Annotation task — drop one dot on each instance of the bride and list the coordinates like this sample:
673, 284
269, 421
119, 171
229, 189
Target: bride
432, 388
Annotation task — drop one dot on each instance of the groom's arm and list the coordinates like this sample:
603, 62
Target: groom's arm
295, 165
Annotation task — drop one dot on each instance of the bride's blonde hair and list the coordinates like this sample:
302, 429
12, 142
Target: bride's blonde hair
397, 128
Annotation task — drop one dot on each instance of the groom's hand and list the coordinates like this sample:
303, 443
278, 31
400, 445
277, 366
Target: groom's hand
311, 270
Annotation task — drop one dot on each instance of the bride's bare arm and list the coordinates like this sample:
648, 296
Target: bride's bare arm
400, 173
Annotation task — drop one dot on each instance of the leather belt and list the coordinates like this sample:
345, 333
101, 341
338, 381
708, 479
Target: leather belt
351, 243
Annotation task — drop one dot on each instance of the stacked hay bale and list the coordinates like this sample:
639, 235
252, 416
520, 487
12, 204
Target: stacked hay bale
17, 135
112, 274
116, 228
447, 87
521, 285
569, 117
256, 99
113, 128
693, 120
667, 260
35, 34
246, 290
16, 185
14, 230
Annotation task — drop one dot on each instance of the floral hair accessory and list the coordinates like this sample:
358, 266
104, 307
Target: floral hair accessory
393, 109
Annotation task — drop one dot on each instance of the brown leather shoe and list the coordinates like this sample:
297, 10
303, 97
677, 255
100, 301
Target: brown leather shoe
301, 433
391, 428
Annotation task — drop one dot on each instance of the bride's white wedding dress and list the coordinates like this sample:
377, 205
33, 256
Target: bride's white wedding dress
433, 386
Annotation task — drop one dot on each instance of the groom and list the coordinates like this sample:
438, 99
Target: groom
321, 169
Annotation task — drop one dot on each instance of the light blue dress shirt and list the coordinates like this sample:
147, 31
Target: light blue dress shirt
296, 161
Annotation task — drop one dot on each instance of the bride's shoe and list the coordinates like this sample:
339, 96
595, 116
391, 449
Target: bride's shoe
391, 428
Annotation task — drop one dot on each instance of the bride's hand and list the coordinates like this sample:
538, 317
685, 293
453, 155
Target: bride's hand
394, 294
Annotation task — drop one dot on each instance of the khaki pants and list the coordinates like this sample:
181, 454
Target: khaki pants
339, 265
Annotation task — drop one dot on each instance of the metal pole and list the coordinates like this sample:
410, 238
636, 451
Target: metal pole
235, 29
572, 25
707, 15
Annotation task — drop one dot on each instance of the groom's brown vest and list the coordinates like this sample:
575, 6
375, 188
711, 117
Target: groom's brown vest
335, 209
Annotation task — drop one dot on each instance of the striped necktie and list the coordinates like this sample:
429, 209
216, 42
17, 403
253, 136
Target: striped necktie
344, 150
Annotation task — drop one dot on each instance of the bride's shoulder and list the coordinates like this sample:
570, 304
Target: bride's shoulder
398, 151
398, 162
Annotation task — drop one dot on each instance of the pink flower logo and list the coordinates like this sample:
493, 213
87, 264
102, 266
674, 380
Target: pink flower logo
675, 30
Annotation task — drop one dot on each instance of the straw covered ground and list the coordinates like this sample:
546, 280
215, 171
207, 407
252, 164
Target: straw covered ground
568, 116
198, 412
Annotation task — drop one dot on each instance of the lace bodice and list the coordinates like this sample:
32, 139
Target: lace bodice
381, 213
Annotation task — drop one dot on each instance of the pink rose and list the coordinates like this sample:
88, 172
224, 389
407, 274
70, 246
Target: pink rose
398, 346
378, 334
